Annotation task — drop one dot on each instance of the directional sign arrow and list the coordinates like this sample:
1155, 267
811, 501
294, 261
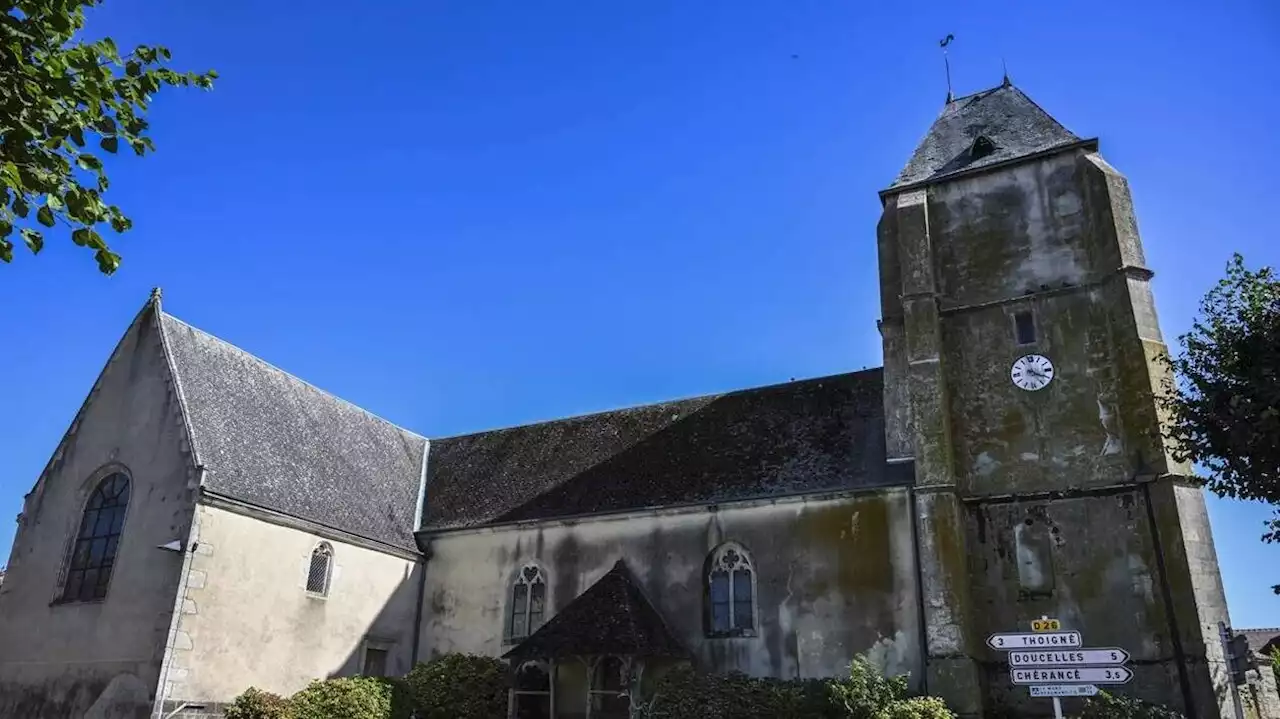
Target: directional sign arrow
1092, 656
1071, 675
1006, 641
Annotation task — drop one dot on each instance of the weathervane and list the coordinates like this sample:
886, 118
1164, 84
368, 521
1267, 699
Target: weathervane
943, 44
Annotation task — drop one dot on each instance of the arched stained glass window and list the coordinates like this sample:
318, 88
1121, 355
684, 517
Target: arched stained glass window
93, 556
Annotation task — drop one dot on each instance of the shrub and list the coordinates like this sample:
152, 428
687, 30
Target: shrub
257, 704
1114, 706
350, 698
459, 686
683, 693
867, 691
866, 694
916, 708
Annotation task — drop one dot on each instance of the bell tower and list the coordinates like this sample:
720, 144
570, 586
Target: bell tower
1021, 351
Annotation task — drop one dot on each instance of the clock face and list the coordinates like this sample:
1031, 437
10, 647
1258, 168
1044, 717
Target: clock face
1032, 372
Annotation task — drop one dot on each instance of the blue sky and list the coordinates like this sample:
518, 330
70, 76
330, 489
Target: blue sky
462, 215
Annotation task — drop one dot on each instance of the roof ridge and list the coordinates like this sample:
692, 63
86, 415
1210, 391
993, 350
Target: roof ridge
987, 91
290, 375
654, 405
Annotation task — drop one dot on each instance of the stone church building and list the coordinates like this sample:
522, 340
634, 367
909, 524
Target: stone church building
210, 522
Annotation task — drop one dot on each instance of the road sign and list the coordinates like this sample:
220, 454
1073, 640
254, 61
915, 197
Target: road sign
1045, 625
1007, 641
1093, 656
1071, 675
1064, 690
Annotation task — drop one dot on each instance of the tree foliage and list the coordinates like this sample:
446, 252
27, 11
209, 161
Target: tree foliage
1275, 664
1224, 406
63, 105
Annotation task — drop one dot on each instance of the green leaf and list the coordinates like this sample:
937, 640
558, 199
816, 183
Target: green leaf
88, 162
119, 222
34, 240
6, 253
45, 216
108, 261
80, 236
20, 206
110, 144
77, 134
133, 68
6, 228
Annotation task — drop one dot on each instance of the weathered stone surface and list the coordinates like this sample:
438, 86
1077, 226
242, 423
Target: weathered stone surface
1054, 518
57, 659
834, 576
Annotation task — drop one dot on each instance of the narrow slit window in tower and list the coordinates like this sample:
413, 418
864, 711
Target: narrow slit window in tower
1025, 326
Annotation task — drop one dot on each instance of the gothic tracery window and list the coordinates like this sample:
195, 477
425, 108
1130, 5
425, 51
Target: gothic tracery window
731, 592
528, 602
93, 556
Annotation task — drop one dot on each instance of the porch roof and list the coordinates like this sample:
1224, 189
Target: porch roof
612, 617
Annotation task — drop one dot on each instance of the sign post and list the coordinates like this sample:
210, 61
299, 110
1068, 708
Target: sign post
1053, 662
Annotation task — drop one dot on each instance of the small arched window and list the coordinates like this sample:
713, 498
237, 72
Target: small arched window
528, 602
731, 592
318, 574
94, 554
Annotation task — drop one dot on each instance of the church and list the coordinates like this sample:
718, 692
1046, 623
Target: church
210, 522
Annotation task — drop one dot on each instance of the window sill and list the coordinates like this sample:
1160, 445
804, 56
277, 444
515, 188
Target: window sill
743, 634
76, 602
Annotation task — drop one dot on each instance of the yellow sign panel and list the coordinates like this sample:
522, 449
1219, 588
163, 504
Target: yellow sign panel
1046, 625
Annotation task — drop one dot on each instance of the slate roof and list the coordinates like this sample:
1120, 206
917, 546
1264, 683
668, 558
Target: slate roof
1005, 115
267, 438
611, 617
813, 435
1262, 641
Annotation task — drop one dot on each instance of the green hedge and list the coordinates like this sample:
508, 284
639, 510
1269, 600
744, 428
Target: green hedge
1116, 706
257, 704
865, 694
459, 686
351, 698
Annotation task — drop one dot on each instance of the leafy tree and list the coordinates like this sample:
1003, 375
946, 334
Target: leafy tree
1225, 404
59, 96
